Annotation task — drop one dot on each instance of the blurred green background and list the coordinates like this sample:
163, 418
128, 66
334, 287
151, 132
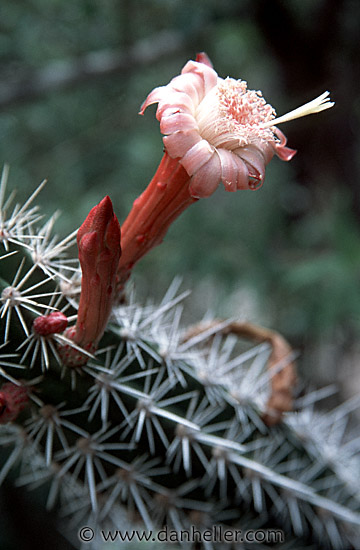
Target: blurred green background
73, 75
72, 78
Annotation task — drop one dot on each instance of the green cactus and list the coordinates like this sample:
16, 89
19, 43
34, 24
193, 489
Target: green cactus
157, 429
122, 419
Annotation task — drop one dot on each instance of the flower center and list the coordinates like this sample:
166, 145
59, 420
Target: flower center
232, 116
243, 106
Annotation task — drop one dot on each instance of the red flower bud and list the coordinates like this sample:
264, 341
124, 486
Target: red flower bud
99, 251
54, 323
13, 399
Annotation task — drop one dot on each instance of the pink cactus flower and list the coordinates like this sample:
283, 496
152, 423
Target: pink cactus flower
218, 129
215, 130
99, 251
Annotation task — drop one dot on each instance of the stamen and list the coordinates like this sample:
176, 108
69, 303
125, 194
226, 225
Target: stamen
315, 106
232, 116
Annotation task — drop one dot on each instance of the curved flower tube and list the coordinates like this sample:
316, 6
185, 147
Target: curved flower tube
215, 130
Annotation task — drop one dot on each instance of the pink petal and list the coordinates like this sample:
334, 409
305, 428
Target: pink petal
198, 155
243, 175
191, 84
202, 57
168, 98
177, 121
174, 99
234, 173
254, 158
267, 150
154, 97
206, 180
179, 143
208, 75
284, 153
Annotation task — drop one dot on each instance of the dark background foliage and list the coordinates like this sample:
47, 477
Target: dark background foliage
73, 75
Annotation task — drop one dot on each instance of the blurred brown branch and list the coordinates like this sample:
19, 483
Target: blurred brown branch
25, 86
